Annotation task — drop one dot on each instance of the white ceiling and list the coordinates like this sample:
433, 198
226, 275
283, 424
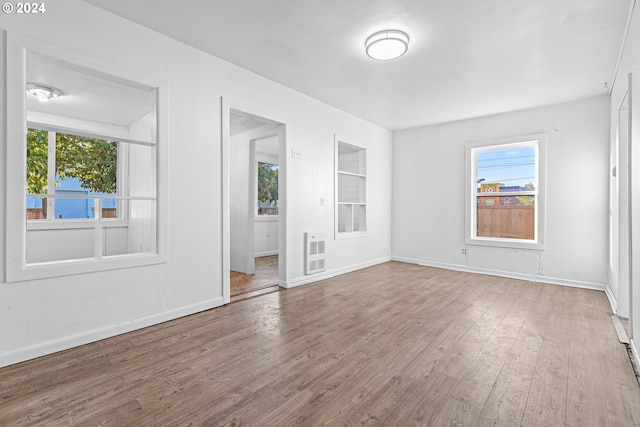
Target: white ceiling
87, 94
467, 58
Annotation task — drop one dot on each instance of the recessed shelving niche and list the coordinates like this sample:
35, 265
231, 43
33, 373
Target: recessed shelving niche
351, 190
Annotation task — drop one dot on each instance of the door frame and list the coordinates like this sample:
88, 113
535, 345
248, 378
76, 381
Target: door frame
623, 234
225, 130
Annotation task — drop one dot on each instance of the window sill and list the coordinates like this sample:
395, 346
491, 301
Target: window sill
506, 243
266, 218
69, 224
350, 235
81, 266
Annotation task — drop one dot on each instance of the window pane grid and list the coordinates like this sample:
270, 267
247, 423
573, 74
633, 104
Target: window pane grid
89, 203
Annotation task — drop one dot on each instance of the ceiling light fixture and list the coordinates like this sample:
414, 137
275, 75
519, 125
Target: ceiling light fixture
43, 93
387, 44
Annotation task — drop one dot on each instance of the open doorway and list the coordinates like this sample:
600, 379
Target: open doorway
255, 190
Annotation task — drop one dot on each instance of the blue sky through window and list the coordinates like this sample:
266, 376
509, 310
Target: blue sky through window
514, 166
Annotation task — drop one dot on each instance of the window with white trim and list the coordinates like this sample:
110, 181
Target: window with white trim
78, 191
267, 189
505, 192
83, 166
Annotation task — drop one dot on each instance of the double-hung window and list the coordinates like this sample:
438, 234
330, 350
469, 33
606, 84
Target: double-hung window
505, 192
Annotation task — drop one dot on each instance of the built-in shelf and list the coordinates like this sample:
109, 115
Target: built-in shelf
351, 190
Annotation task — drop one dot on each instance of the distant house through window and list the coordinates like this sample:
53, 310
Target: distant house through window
505, 192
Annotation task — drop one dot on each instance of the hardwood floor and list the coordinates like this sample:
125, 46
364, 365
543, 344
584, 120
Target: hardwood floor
256, 293
266, 274
395, 344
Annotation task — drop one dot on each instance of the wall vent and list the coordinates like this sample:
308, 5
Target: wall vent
314, 244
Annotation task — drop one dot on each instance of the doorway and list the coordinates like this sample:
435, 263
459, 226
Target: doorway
255, 204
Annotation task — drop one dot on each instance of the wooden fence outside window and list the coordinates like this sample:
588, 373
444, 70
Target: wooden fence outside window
511, 222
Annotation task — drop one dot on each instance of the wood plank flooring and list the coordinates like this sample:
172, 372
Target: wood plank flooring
266, 274
394, 344
258, 292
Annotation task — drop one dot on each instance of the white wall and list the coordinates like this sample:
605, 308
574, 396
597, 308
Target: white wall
44, 245
239, 200
429, 191
42, 316
266, 236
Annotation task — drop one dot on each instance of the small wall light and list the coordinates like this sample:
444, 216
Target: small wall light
387, 44
43, 93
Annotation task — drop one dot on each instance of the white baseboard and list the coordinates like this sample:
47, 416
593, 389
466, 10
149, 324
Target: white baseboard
266, 253
634, 353
305, 280
508, 274
49, 347
612, 299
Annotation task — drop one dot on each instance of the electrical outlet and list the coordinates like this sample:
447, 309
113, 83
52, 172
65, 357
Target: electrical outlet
323, 201
464, 252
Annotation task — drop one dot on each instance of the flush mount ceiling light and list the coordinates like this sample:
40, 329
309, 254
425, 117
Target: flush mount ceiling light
43, 93
387, 44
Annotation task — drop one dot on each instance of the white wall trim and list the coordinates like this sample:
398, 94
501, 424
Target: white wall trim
49, 347
305, 280
612, 299
634, 353
225, 224
625, 36
508, 274
266, 253
16, 267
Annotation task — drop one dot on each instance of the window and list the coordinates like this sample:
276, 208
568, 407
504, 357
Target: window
85, 169
267, 203
351, 190
87, 197
78, 192
83, 178
505, 202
